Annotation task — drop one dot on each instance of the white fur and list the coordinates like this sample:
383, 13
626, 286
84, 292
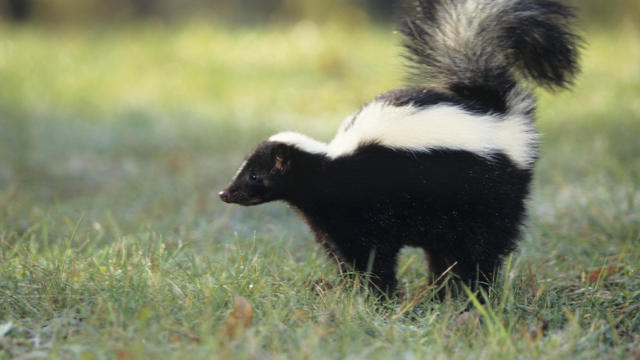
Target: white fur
303, 142
424, 129
439, 127
244, 163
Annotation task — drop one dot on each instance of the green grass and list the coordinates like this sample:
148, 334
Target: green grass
113, 144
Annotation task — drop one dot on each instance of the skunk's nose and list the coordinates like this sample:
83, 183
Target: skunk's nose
224, 195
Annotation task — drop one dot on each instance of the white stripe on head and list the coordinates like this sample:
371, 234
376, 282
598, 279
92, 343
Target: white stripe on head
439, 127
300, 141
242, 166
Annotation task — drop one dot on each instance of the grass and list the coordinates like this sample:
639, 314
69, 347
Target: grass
113, 143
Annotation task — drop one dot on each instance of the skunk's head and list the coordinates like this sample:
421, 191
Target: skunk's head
262, 177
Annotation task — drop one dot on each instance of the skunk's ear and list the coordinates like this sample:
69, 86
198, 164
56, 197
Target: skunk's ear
281, 160
281, 165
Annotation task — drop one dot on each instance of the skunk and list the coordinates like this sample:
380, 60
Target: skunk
444, 164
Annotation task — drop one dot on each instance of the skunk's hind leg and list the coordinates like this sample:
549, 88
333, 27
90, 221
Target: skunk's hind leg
465, 270
377, 262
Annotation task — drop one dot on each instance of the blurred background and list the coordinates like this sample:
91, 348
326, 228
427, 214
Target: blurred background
136, 112
120, 120
253, 11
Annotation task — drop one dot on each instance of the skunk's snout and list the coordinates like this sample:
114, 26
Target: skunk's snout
224, 196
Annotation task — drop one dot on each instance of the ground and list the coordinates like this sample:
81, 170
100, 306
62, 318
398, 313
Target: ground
114, 143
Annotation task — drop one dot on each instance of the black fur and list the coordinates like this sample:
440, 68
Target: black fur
479, 101
457, 206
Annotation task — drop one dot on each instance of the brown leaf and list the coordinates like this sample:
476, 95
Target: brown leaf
124, 355
602, 273
240, 317
175, 338
468, 319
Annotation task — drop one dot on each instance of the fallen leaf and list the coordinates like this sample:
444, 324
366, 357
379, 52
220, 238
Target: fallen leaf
239, 319
124, 355
175, 338
468, 319
602, 273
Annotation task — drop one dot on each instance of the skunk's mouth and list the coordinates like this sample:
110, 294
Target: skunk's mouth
238, 197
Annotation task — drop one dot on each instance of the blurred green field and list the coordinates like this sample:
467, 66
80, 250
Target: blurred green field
113, 143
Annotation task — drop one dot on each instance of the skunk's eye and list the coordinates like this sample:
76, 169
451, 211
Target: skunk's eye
254, 176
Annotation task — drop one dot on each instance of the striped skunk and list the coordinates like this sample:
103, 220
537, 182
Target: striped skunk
444, 164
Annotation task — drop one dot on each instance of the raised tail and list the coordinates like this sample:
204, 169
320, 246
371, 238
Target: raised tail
482, 47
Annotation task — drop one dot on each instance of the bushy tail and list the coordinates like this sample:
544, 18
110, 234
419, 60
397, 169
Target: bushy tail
491, 44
